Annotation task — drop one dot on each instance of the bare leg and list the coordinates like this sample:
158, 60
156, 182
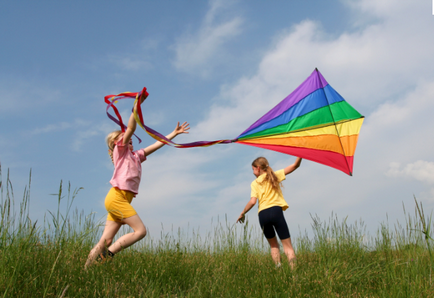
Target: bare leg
275, 250
289, 251
110, 230
127, 240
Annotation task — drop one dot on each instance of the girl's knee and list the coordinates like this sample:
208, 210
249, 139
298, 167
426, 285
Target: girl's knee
141, 233
105, 242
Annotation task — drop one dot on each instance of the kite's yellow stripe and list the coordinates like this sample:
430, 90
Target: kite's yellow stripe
343, 129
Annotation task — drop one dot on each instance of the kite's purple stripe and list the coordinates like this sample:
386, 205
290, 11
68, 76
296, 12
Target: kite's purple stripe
311, 84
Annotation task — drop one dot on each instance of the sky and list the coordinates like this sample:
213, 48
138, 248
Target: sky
220, 65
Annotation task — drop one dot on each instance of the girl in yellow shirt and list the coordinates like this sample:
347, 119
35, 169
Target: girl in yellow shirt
266, 189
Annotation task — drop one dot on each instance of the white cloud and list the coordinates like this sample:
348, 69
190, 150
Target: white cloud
420, 170
386, 8
198, 52
81, 137
163, 181
383, 70
87, 130
77, 123
52, 127
84, 130
130, 63
400, 128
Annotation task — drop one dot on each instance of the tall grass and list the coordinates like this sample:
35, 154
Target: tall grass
46, 259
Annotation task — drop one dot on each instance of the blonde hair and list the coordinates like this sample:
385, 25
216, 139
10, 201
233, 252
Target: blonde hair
110, 140
271, 178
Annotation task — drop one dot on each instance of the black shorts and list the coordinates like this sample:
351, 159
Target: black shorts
272, 219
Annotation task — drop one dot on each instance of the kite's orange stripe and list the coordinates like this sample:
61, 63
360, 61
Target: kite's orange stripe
323, 142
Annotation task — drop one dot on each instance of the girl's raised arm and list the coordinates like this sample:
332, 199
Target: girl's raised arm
293, 167
131, 127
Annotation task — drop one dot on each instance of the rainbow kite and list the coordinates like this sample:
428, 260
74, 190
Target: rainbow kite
313, 122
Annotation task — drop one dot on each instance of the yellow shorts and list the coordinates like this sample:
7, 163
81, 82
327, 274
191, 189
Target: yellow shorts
118, 204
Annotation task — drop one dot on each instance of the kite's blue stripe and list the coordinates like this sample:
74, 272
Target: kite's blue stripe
311, 102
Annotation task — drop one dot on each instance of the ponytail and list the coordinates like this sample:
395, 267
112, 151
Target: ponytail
271, 178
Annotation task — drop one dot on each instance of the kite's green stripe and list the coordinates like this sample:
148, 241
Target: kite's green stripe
341, 111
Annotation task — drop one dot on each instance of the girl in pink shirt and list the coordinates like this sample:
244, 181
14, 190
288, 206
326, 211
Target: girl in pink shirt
125, 182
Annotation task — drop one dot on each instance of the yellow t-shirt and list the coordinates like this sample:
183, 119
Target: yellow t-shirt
265, 193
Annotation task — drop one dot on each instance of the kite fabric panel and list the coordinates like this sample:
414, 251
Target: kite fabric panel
314, 122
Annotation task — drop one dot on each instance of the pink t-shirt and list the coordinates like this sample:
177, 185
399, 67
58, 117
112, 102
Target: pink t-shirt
128, 167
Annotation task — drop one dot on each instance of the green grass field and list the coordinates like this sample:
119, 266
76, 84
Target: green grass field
46, 259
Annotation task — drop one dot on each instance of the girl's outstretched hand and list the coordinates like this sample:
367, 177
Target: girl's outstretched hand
241, 218
183, 128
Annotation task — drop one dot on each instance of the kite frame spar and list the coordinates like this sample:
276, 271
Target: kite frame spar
313, 122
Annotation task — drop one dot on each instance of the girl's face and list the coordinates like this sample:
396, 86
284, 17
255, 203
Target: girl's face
256, 171
130, 143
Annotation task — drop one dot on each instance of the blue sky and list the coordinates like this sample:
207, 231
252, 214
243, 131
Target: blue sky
219, 65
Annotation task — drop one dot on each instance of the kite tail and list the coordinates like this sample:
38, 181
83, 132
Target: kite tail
111, 100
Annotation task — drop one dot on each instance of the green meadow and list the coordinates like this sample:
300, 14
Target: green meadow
338, 259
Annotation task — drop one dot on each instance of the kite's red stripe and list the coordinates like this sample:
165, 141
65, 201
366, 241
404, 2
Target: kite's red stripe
328, 158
